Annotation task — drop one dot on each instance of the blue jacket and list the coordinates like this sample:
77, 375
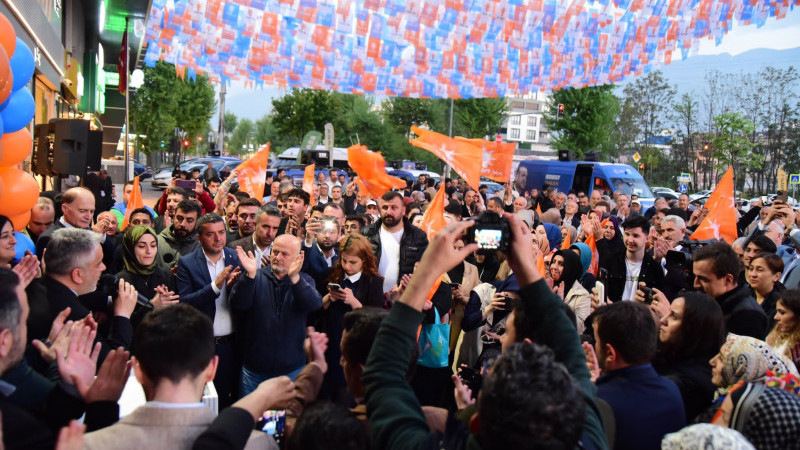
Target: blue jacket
274, 320
315, 265
194, 282
646, 406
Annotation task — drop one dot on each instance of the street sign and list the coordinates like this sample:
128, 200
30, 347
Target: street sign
637, 157
794, 178
682, 188
685, 178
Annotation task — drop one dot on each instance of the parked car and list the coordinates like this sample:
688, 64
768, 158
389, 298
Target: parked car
667, 193
493, 188
699, 194
162, 178
142, 171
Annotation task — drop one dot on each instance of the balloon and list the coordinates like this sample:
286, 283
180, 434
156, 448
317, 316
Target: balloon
19, 111
22, 65
8, 39
6, 76
15, 147
21, 191
20, 221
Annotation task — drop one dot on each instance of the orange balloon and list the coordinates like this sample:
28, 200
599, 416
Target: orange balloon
21, 191
6, 76
15, 147
21, 220
8, 38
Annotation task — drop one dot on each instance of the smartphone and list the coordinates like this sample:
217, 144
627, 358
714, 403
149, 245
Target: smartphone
187, 184
334, 287
455, 286
273, 423
507, 303
783, 197
648, 295
601, 291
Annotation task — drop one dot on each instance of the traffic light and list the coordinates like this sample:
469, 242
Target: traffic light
560, 113
186, 143
706, 147
641, 166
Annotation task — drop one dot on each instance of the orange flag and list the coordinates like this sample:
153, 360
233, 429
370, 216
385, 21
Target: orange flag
497, 158
134, 202
371, 170
540, 265
594, 266
308, 181
464, 158
253, 173
720, 223
432, 222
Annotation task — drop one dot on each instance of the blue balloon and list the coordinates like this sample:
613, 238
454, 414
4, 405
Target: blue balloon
23, 243
22, 65
19, 111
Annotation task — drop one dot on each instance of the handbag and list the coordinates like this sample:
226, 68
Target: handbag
434, 343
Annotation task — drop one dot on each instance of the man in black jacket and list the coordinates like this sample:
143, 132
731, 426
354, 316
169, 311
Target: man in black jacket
626, 270
716, 272
397, 244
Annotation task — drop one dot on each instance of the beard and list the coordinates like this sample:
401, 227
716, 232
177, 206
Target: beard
390, 220
326, 246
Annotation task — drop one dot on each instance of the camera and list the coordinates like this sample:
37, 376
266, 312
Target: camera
491, 232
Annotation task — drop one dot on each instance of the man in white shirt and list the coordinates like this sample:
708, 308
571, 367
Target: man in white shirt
174, 348
397, 244
205, 277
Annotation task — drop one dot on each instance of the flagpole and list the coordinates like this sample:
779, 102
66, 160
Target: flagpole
446, 172
126, 152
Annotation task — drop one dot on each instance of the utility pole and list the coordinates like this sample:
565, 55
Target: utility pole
126, 152
221, 128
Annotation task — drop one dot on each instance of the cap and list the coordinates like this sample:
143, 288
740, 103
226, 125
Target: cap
636, 202
371, 203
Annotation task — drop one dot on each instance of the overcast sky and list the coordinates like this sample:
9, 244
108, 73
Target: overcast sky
775, 34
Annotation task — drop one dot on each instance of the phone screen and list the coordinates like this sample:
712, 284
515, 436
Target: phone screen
272, 422
187, 184
488, 238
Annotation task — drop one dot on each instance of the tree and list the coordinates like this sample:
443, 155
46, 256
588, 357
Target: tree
230, 122
587, 121
685, 114
480, 117
164, 102
304, 110
732, 147
649, 98
242, 137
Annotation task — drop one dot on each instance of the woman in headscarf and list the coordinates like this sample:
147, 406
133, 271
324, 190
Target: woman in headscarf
768, 417
705, 436
785, 335
568, 234
587, 278
141, 269
763, 274
551, 216
565, 269
743, 359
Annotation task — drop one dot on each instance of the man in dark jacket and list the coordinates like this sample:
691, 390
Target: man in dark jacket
274, 302
716, 272
397, 244
646, 405
626, 270
181, 236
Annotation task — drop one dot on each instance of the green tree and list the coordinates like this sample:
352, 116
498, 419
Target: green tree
587, 121
164, 102
648, 100
732, 146
230, 122
304, 110
242, 137
480, 117
686, 116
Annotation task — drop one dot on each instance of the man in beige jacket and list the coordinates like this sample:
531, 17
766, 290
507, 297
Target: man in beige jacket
174, 349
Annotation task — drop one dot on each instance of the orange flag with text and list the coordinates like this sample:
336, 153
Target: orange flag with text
432, 222
134, 202
308, 182
463, 157
496, 160
253, 173
371, 170
720, 223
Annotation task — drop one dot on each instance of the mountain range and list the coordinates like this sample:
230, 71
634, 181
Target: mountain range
688, 75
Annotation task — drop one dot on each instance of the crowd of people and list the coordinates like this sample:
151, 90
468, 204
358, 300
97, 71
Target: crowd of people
337, 310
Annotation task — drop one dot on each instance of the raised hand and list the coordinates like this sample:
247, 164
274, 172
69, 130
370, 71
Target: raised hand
462, 393
591, 361
233, 276
27, 269
294, 268
164, 297
248, 262
71, 437
79, 364
125, 302
110, 380
315, 345
520, 251
59, 339
222, 277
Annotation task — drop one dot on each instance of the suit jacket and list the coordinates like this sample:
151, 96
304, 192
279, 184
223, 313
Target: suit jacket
194, 282
792, 279
156, 427
246, 243
315, 265
107, 245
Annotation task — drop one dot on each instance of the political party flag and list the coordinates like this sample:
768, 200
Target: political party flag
253, 173
308, 181
371, 170
540, 265
497, 158
464, 158
720, 223
122, 63
433, 219
594, 266
134, 202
